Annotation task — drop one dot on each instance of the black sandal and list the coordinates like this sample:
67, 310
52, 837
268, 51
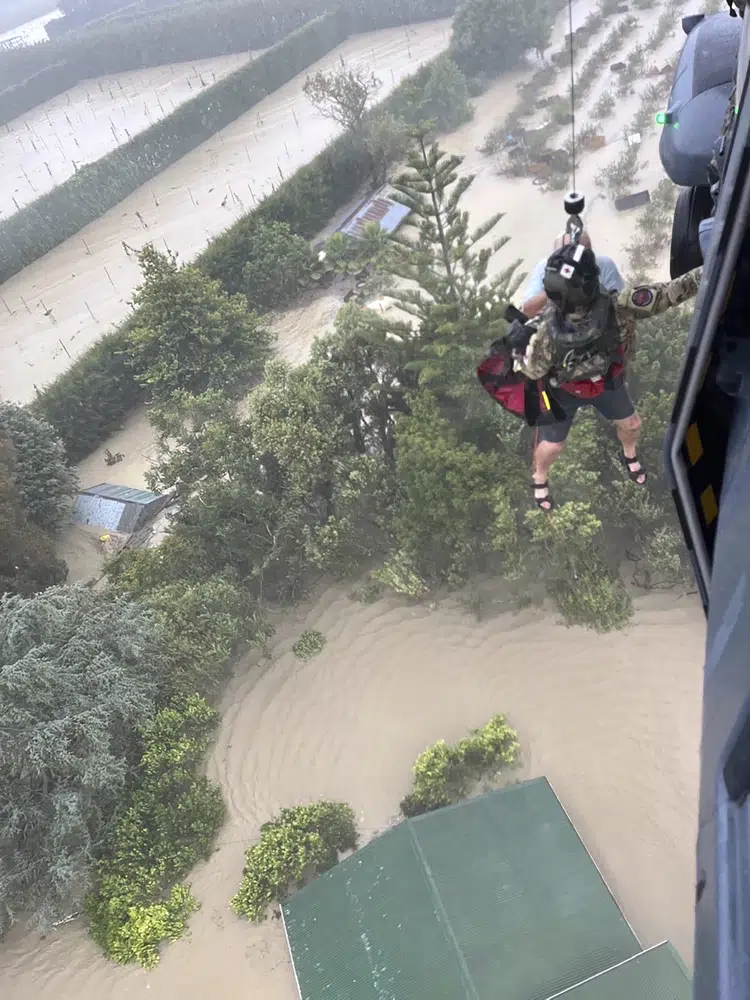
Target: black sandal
633, 474
542, 500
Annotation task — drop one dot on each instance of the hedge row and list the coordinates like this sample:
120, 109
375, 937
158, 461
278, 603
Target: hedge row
177, 34
91, 399
97, 187
180, 34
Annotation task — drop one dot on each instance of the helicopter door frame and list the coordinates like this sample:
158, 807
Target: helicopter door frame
732, 213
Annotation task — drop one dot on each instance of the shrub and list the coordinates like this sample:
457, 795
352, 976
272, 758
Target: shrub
446, 95
279, 265
135, 39
604, 106
202, 624
89, 401
444, 774
303, 842
169, 826
569, 544
309, 644
44, 480
190, 335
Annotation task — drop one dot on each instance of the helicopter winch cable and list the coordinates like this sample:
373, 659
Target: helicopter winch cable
572, 91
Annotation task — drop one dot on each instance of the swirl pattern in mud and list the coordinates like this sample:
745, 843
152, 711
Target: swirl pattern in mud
613, 721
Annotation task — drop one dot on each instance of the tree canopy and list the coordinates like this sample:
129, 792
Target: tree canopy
78, 673
343, 95
28, 561
492, 35
191, 335
41, 472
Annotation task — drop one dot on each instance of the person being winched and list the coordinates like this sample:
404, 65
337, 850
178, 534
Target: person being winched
574, 354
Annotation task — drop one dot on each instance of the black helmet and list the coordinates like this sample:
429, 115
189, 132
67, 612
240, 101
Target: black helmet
571, 278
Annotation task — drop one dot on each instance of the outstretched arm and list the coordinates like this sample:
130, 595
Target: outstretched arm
642, 301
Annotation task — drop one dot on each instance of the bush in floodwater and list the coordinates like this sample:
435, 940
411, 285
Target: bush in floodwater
303, 842
603, 106
169, 826
444, 774
309, 644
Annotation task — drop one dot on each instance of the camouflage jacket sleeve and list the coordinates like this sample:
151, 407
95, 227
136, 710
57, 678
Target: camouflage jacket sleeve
642, 301
537, 360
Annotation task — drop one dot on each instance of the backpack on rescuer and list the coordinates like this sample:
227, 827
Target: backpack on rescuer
532, 402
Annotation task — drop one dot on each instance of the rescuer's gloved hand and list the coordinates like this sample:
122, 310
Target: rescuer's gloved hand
518, 336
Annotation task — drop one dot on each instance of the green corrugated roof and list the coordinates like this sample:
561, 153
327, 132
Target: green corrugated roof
656, 974
494, 897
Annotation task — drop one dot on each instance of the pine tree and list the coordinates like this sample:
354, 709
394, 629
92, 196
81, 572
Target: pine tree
458, 310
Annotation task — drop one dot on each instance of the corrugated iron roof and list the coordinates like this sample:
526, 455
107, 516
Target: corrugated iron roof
126, 494
656, 974
495, 896
383, 210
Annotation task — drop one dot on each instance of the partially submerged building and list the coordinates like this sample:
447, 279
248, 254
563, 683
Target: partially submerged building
117, 508
380, 208
492, 899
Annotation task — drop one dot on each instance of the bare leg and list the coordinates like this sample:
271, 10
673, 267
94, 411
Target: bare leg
545, 454
628, 431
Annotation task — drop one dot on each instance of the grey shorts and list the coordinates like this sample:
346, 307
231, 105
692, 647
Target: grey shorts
613, 404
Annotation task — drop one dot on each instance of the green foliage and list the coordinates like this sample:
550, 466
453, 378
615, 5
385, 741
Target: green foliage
303, 842
568, 553
169, 825
342, 95
28, 562
97, 187
309, 644
445, 507
88, 402
446, 95
279, 265
458, 310
604, 105
180, 34
78, 674
444, 774
386, 140
493, 35
191, 335
44, 480
202, 624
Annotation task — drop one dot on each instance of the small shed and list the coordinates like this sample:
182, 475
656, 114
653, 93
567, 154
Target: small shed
386, 211
117, 508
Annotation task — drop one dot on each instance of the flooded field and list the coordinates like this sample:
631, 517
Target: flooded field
56, 308
45, 147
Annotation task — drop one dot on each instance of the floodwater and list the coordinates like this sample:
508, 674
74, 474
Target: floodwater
45, 147
613, 721
57, 307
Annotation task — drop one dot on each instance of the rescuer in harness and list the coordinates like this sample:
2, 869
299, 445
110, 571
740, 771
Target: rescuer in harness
575, 354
